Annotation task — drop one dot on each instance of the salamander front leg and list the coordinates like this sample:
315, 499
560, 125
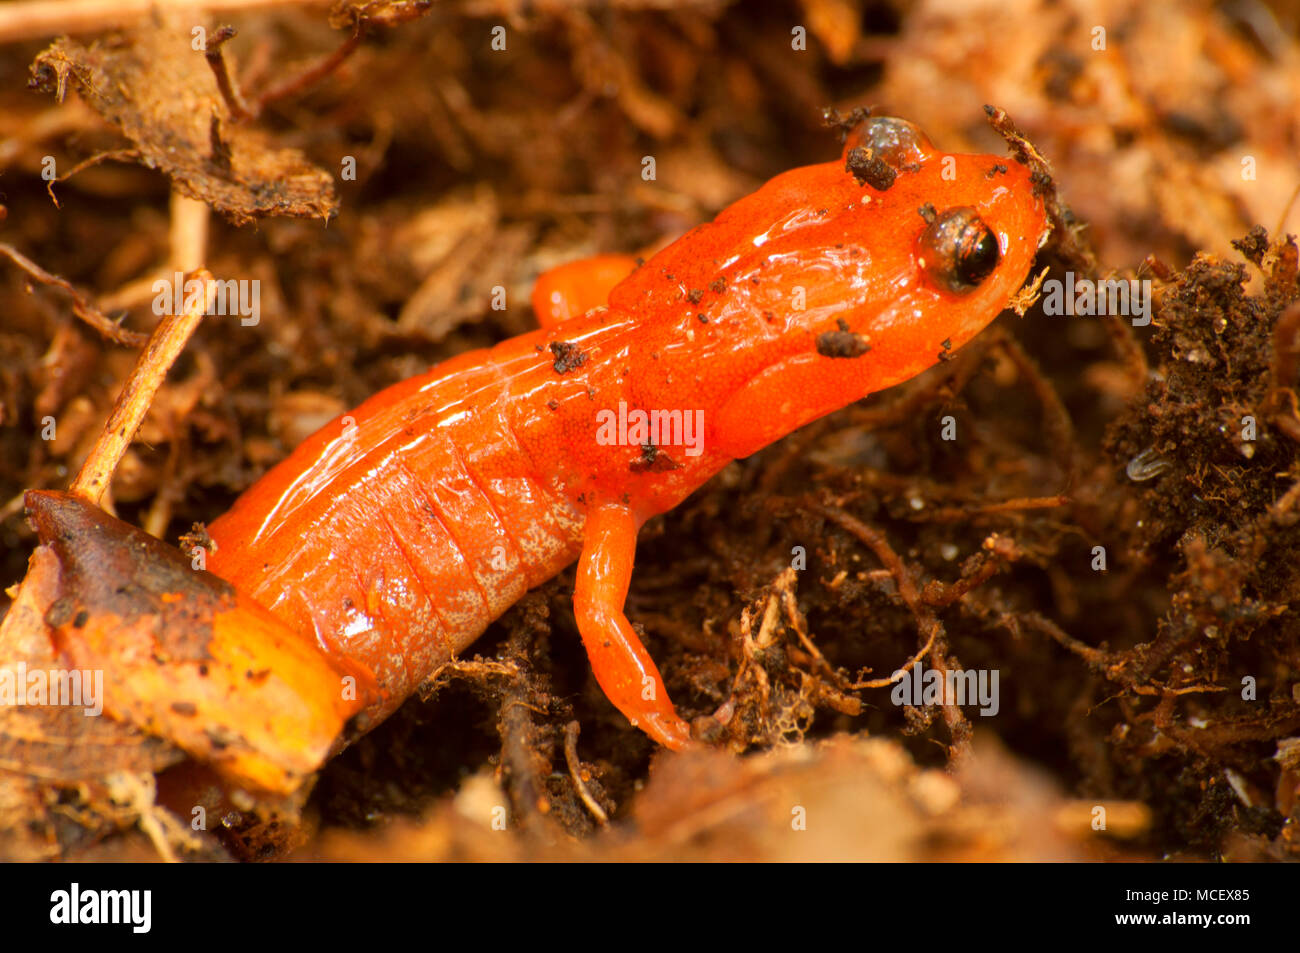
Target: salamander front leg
623, 668
576, 287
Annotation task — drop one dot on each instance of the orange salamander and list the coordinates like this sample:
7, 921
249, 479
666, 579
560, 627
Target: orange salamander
396, 534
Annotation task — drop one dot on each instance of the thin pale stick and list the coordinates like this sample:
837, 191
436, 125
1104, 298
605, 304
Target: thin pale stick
165, 345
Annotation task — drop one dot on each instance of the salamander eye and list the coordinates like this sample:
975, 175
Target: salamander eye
957, 250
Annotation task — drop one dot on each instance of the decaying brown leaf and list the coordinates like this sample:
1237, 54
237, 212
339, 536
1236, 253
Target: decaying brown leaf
187, 658
154, 87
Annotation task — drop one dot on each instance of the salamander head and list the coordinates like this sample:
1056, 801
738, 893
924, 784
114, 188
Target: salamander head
856, 275
919, 249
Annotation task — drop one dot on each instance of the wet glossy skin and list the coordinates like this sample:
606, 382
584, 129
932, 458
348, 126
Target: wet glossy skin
396, 534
